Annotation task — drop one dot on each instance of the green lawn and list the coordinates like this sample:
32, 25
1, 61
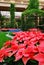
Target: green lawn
3, 38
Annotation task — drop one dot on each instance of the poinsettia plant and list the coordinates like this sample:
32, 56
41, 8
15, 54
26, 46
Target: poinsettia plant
27, 45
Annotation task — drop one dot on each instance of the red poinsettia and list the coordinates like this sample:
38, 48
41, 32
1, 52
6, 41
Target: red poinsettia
25, 45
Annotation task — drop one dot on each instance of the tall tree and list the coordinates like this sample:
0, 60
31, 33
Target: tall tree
12, 15
33, 4
31, 15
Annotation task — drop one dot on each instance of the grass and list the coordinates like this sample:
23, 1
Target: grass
3, 38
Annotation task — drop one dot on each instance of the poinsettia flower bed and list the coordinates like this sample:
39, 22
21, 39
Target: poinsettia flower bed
25, 45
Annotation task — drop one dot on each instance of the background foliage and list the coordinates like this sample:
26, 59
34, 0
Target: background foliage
30, 15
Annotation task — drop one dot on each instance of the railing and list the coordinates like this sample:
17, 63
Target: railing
14, 1
20, 3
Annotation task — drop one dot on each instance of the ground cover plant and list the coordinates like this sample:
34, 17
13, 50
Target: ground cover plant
3, 38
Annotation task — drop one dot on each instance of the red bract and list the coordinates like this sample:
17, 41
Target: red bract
41, 63
25, 59
7, 43
1, 55
40, 57
19, 54
4, 53
25, 45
